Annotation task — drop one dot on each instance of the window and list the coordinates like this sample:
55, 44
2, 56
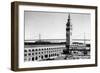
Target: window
42, 57
25, 54
25, 59
32, 53
32, 58
36, 53
42, 52
29, 54
36, 50
29, 50
25, 50
36, 58
46, 56
32, 49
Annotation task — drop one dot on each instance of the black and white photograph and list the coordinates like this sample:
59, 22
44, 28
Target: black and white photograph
56, 36
53, 36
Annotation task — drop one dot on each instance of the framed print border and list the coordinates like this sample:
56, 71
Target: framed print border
15, 35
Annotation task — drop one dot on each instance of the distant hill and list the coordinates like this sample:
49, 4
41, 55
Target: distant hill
42, 42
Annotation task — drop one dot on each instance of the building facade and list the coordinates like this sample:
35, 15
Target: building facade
80, 49
42, 52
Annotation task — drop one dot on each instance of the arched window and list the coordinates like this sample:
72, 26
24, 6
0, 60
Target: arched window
29, 54
36, 53
35, 49
42, 52
46, 56
32, 53
42, 57
55, 54
25, 50
32, 58
25, 59
36, 58
25, 54
29, 50
49, 51
32, 49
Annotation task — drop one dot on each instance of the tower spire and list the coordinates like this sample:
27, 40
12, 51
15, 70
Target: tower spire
69, 17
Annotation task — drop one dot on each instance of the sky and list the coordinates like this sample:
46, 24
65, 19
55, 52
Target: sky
52, 25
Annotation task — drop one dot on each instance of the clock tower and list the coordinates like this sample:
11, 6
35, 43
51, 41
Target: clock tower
68, 34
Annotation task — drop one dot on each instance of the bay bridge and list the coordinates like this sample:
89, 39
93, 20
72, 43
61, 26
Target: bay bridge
56, 40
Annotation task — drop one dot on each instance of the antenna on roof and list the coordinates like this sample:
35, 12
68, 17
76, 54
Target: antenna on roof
39, 36
84, 38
